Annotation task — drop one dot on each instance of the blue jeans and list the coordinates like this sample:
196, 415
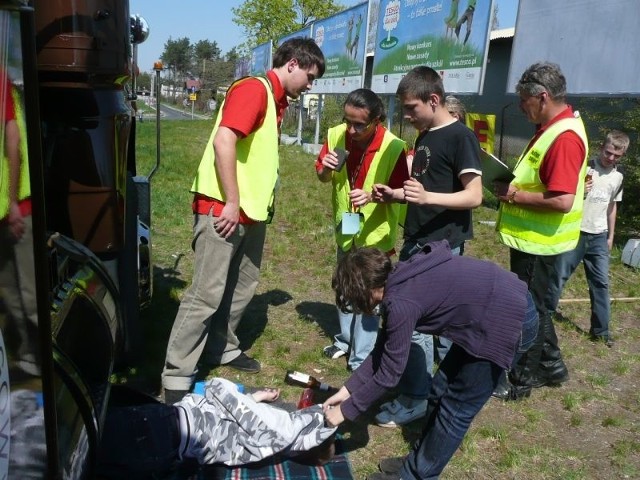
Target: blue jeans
593, 251
420, 362
529, 329
460, 388
358, 333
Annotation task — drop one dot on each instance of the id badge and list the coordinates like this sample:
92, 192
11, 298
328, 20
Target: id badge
350, 223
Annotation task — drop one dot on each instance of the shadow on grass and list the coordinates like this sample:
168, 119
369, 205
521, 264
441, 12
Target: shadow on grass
157, 320
250, 328
255, 318
560, 318
323, 314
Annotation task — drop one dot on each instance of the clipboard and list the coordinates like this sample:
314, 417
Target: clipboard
493, 169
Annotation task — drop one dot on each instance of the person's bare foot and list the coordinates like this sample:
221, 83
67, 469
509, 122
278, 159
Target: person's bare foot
266, 395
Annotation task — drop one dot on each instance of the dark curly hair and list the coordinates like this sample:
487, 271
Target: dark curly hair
357, 274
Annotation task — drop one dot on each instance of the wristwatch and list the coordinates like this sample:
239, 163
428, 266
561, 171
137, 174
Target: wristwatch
512, 196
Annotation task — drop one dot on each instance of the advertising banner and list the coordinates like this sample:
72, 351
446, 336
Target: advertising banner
342, 38
243, 68
484, 126
595, 42
261, 57
305, 33
450, 36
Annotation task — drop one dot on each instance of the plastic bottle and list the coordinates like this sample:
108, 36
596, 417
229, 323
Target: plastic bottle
303, 380
198, 388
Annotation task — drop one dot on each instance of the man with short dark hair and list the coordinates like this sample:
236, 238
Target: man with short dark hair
234, 192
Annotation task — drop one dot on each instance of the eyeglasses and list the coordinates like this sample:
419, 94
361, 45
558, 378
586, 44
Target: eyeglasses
358, 127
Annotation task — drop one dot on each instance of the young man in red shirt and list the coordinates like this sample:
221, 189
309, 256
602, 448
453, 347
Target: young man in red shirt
234, 193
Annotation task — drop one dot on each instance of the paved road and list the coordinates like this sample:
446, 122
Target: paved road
173, 113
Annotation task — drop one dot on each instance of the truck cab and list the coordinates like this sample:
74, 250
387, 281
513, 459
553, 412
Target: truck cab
75, 258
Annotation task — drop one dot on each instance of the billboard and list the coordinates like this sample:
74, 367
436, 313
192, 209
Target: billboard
593, 41
450, 36
342, 39
261, 57
305, 33
243, 68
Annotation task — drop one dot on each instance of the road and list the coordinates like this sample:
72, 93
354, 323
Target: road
173, 113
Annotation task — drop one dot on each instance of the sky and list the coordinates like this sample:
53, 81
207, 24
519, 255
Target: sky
212, 20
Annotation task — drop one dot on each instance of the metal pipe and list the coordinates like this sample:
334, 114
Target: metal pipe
157, 66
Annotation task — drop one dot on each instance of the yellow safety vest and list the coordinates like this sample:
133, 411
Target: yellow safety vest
379, 221
257, 164
542, 232
24, 189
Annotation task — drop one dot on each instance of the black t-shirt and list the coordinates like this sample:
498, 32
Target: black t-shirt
441, 155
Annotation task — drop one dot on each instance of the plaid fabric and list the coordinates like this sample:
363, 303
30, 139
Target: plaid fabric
338, 468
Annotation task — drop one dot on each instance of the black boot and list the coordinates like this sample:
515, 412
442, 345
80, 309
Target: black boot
507, 391
502, 388
552, 370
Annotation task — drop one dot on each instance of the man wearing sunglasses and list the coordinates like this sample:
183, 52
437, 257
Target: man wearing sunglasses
540, 213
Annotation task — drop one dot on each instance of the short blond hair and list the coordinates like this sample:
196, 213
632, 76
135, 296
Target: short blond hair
455, 107
619, 140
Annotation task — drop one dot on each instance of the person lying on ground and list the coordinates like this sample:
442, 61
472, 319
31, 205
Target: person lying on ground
223, 426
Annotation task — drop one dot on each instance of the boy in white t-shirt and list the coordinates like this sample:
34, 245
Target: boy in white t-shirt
604, 187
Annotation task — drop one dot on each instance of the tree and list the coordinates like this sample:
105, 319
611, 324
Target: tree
265, 20
143, 82
206, 56
177, 56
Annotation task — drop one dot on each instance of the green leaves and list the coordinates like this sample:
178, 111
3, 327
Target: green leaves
265, 20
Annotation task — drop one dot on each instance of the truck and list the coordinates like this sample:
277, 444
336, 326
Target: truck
75, 262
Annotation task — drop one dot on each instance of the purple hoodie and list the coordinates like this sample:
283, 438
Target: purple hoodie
474, 303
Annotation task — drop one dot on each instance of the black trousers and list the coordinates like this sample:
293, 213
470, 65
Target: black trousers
544, 359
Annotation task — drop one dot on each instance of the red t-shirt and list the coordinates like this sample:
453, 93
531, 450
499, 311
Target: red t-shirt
560, 169
244, 110
400, 172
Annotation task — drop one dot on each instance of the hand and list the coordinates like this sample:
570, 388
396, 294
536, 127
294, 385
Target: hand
16, 221
333, 416
610, 243
414, 192
381, 193
228, 220
588, 185
359, 198
330, 160
503, 191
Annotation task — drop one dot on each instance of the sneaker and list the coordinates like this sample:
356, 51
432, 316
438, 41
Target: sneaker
606, 339
244, 363
403, 416
392, 406
333, 352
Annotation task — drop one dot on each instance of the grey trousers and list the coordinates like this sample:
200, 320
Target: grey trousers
18, 292
226, 273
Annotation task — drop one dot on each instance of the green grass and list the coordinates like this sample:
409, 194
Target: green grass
586, 429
